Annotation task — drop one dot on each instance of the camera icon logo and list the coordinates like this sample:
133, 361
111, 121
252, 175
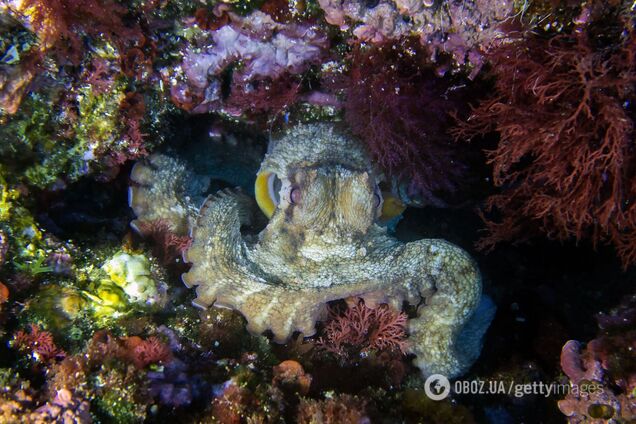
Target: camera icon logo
437, 387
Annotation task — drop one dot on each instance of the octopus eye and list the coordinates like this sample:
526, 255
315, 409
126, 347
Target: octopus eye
267, 190
294, 196
377, 199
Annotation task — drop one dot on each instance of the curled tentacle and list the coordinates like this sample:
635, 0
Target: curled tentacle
450, 284
160, 192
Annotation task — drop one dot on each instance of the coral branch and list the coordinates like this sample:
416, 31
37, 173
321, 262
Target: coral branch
169, 244
39, 343
361, 329
565, 161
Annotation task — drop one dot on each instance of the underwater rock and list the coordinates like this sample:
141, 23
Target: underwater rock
242, 399
290, 376
18, 56
244, 65
63, 408
57, 306
4, 247
172, 385
318, 187
460, 29
19, 403
339, 409
603, 374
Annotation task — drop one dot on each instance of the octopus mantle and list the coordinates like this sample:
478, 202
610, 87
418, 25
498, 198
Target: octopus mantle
322, 243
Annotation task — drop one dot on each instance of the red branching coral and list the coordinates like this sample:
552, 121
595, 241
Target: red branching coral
145, 352
135, 63
100, 74
38, 343
398, 106
213, 19
59, 23
169, 244
133, 349
565, 162
362, 329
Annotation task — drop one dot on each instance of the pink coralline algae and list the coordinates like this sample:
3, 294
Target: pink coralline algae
603, 374
361, 329
145, 352
63, 408
256, 52
38, 343
461, 29
132, 349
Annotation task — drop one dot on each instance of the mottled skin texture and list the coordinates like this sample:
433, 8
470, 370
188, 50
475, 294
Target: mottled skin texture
321, 244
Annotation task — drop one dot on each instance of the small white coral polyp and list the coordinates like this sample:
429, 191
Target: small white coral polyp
132, 273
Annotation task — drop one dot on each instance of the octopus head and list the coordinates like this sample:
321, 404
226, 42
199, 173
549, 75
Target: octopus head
333, 199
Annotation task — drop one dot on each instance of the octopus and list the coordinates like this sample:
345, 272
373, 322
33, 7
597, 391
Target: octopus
320, 193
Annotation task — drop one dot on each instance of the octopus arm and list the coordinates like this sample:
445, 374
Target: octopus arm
446, 335
225, 276
158, 192
218, 252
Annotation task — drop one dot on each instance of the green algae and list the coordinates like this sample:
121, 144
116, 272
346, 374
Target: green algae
27, 246
34, 145
55, 307
119, 395
98, 124
62, 136
92, 296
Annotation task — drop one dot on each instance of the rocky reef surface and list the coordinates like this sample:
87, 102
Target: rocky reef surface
364, 193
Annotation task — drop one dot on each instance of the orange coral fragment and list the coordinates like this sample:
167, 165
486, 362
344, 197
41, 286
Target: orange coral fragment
4, 293
290, 374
